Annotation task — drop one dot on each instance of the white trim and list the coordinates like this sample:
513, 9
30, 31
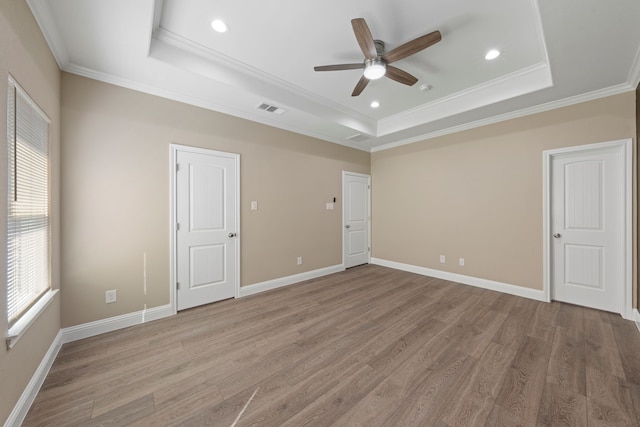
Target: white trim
49, 28
549, 106
111, 324
16, 332
636, 318
230, 71
634, 73
288, 280
22, 406
506, 288
252, 115
344, 233
625, 146
173, 158
518, 83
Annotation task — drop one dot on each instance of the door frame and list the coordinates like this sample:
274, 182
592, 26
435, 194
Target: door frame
173, 159
344, 204
625, 147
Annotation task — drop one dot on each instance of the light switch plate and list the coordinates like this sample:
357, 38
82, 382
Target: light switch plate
254, 205
110, 296
329, 206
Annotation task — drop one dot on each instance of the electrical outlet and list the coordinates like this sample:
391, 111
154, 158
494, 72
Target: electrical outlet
461, 261
299, 260
110, 296
442, 259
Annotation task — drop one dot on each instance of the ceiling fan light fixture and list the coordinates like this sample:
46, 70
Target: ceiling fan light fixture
374, 68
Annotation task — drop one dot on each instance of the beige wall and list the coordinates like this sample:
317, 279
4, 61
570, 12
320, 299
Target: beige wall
25, 55
115, 201
477, 194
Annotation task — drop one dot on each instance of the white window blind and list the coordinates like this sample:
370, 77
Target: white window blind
28, 215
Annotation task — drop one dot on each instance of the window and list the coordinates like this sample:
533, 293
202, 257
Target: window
28, 206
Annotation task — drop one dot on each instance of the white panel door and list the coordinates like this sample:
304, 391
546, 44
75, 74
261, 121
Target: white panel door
206, 231
357, 217
587, 226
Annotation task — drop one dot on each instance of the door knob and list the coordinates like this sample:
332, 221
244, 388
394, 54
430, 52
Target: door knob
347, 226
232, 234
557, 235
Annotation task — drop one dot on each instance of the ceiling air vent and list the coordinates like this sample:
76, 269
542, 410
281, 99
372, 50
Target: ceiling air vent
358, 137
271, 108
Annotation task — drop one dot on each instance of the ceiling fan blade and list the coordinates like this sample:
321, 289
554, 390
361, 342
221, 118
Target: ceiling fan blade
414, 46
360, 86
400, 76
339, 67
364, 37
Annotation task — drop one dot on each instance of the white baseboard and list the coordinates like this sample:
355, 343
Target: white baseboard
506, 288
29, 394
289, 280
98, 327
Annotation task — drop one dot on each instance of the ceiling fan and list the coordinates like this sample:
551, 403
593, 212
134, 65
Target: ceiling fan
376, 60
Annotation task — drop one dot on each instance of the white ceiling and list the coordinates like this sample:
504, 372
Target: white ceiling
554, 53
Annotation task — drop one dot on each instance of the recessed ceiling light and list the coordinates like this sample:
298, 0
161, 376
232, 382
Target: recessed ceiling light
492, 54
375, 104
219, 26
425, 87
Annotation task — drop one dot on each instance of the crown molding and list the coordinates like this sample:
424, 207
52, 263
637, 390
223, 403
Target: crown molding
518, 83
590, 96
244, 75
634, 73
198, 102
44, 17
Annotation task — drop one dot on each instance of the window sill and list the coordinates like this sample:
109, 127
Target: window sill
18, 330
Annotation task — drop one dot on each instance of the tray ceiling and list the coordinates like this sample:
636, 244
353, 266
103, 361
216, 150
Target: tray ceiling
552, 54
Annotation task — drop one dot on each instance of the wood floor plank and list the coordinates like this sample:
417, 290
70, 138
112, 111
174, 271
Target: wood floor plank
570, 317
338, 400
126, 414
567, 364
76, 413
480, 327
369, 346
560, 407
543, 321
602, 350
634, 390
628, 347
521, 392
375, 406
513, 331
479, 390
423, 404
609, 400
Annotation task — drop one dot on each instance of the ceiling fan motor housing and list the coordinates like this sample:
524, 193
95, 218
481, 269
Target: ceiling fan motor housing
379, 47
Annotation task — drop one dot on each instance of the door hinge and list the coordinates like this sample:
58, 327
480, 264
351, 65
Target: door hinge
177, 167
368, 187
177, 226
178, 285
369, 249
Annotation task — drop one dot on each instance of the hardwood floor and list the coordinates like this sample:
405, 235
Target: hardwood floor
369, 346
